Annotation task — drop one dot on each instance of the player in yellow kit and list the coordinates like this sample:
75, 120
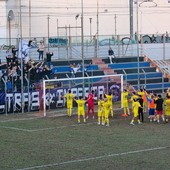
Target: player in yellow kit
125, 104
136, 106
133, 97
110, 101
106, 107
81, 108
69, 98
167, 108
101, 115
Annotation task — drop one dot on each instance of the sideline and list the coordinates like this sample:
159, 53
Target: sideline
95, 158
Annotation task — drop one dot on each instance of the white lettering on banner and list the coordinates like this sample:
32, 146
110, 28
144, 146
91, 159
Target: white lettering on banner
54, 96
58, 95
35, 100
9, 98
17, 99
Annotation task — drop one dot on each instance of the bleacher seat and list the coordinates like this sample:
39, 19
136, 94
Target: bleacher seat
123, 59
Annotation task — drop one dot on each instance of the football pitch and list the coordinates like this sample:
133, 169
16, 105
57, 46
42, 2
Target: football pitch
60, 143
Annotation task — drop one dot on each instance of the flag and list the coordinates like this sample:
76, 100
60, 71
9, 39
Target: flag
24, 48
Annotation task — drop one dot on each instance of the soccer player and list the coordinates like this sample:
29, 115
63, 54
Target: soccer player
110, 101
133, 97
106, 107
136, 106
125, 104
101, 117
151, 103
159, 108
167, 108
69, 98
143, 94
81, 108
90, 102
140, 110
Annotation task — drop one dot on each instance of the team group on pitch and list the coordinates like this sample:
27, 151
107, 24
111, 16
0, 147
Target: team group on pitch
154, 104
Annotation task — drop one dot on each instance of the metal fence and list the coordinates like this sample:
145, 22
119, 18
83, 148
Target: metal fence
69, 47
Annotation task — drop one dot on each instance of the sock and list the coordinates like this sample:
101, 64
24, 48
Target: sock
98, 119
163, 118
124, 110
93, 112
84, 120
103, 120
112, 113
107, 121
128, 111
70, 112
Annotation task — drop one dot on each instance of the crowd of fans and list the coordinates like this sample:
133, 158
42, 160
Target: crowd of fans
33, 71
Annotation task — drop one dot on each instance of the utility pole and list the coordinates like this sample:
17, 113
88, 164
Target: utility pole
30, 19
22, 75
131, 17
48, 25
115, 25
82, 44
97, 34
90, 28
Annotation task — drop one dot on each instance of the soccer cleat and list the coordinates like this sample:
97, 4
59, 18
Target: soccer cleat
103, 124
131, 123
93, 117
139, 123
124, 115
87, 117
107, 125
98, 123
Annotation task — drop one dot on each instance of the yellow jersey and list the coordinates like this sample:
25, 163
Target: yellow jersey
69, 97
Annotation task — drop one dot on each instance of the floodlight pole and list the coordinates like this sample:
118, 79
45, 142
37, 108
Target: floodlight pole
97, 34
30, 19
22, 83
82, 43
137, 42
48, 28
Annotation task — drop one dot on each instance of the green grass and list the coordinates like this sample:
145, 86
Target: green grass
64, 145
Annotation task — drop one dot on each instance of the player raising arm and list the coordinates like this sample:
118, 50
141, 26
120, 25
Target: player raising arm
69, 98
109, 97
136, 106
81, 108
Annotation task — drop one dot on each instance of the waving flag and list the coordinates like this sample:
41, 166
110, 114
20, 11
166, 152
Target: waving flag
24, 47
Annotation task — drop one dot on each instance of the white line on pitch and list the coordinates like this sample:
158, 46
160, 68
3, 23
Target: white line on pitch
14, 128
94, 158
44, 129
21, 119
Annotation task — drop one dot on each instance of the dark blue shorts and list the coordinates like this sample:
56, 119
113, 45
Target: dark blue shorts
151, 112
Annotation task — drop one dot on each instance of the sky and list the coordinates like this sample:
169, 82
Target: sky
113, 17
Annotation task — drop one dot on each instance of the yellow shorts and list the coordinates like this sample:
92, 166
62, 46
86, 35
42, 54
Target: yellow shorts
167, 113
100, 113
135, 114
69, 105
81, 112
125, 104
